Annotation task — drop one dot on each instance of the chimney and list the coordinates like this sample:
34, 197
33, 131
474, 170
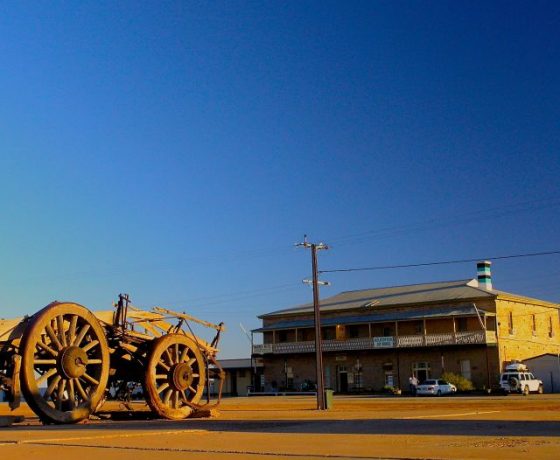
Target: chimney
484, 275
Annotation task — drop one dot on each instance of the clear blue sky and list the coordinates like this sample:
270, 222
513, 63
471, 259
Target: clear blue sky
177, 150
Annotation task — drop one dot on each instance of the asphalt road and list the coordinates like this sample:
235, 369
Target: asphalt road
290, 428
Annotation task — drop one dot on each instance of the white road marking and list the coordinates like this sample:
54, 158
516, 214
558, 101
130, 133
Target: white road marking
88, 438
449, 415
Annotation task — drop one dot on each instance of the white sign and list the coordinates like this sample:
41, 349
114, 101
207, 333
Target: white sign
261, 349
383, 342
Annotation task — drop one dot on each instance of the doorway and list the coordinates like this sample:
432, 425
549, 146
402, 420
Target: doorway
421, 371
342, 379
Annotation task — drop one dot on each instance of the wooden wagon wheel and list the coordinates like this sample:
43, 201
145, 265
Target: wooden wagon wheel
65, 363
175, 376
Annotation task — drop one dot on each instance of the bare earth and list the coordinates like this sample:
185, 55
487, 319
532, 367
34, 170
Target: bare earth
509, 427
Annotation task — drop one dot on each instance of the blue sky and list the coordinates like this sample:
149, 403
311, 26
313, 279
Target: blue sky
177, 150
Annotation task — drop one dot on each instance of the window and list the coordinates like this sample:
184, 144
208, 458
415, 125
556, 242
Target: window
353, 332
282, 336
510, 323
550, 329
418, 327
387, 331
462, 324
466, 368
358, 381
340, 332
389, 379
328, 333
534, 323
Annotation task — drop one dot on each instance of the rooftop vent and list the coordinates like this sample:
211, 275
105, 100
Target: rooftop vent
484, 275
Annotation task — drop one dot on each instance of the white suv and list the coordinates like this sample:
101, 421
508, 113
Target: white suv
517, 379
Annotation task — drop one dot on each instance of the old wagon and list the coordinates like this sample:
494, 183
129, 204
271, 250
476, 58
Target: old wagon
66, 360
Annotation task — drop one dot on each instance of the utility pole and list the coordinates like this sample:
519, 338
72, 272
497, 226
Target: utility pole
321, 403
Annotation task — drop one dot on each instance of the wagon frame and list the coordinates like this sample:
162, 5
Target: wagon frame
66, 360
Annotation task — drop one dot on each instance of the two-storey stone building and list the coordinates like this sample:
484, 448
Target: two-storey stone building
379, 337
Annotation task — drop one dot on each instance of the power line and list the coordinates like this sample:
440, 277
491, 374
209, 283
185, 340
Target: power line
449, 221
444, 262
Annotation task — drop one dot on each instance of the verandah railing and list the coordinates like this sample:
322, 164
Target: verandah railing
369, 343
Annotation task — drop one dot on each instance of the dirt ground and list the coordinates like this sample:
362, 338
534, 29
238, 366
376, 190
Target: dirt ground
290, 428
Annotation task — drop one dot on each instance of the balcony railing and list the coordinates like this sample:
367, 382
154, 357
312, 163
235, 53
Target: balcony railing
367, 343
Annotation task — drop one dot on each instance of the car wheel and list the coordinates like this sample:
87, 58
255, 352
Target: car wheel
540, 390
526, 390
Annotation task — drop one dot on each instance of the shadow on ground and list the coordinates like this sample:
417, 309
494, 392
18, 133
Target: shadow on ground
486, 428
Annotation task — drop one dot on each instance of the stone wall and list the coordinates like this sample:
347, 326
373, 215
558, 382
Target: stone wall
535, 331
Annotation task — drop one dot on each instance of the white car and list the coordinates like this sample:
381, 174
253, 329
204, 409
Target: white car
518, 379
435, 387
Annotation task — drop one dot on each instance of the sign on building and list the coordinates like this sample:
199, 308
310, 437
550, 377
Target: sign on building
383, 342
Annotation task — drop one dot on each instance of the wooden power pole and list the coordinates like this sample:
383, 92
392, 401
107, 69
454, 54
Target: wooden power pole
321, 403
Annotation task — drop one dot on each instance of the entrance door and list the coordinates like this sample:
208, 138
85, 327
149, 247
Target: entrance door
421, 371
421, 375
342, 379
344, 382
233, 377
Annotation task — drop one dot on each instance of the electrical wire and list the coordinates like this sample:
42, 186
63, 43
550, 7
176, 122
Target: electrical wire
443, 262
449, 221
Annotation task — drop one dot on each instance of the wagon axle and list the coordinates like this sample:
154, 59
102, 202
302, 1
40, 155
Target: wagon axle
72, 362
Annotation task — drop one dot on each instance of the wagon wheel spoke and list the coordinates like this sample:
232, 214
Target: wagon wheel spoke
44, 346
50, 362
90, 345
165, 366
51, 372
95, 361
53, 337
183, 354
191, 361
162, 387
169, 357
71, 393
177, 361
167, 396
90, 379
81, 390
175, 399
72, 329
52, 386
60, 328
60, 393
81, 335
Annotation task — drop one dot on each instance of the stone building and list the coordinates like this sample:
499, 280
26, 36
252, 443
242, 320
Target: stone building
379, 337
240, 375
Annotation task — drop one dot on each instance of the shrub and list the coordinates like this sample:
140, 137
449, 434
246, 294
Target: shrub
459, 381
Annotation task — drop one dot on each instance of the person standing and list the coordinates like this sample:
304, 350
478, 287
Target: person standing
413, 383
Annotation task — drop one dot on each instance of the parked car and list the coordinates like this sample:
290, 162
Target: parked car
518, 379
435, 387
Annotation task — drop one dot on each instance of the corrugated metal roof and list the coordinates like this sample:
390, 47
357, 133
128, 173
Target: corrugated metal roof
396, 296
240, 363
411, 314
